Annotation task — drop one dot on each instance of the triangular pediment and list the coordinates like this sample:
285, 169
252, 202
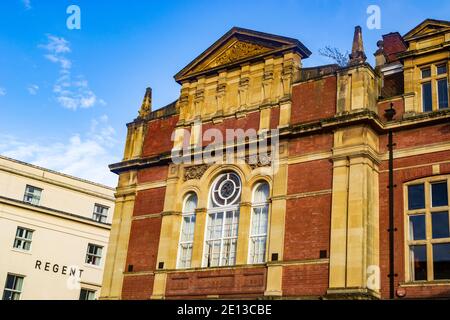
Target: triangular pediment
426, 28
233, 50
238, 46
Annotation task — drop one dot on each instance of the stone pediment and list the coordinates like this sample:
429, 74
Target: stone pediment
238, 46
426, 28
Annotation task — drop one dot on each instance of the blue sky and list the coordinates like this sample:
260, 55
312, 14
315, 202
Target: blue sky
66, 95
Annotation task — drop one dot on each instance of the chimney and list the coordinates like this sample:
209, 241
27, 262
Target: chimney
380, 58
146, 106
357, 56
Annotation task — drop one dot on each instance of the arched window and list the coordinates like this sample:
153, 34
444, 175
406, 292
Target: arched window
223, 221
187, 231
258, 230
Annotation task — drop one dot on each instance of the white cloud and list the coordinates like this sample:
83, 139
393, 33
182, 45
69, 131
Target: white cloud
86, 156
56, 45
70, 92
2, 91
33, 89
27, 4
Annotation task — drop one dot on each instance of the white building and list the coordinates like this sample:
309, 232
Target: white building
54, 232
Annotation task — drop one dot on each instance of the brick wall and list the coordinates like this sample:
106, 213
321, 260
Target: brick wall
137, 287
307, 228
149, 201
158, 138
152, 174
250, 121
314, 100
305, 280
143, 244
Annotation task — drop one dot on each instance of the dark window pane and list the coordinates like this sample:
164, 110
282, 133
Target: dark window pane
439, 194
441, 261
417, 227
426, 73
418, 262
442, 69
10, 281
416, 197
83, 294
427, 102
440, 225
7, 295
442, 94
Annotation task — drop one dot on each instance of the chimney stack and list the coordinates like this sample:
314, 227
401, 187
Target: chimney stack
357, 56
146, 106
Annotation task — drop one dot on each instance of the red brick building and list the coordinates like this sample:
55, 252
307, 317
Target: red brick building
313, 221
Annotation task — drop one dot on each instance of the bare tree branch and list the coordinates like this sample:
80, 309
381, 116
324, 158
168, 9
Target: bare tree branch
336, 55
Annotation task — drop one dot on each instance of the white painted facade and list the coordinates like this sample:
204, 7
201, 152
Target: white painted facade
62, 225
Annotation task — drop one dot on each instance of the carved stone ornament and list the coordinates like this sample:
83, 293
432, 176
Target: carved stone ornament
259, 160
237, 51
195, 172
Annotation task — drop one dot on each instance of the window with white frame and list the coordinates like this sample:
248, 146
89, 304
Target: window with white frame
13, 287
32, 195
428, 232
187, 231
259, 221
434, 87
223, 221
87, 294
22, 240
94, 254
100, 213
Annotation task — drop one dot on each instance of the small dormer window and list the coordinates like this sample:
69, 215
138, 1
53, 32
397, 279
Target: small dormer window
434, 87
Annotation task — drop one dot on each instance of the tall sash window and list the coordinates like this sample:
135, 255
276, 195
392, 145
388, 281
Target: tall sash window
187, 231
223, 221
259, 221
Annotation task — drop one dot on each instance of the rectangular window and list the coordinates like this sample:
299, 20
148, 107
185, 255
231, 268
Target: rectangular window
442, 87
100, 213
416, 197
417, 227
13, 287
440, 225
32, 195
86, 294
418, 256
94, 254
428, 241
258, 234
221, 238
441, 69
22, 240
441, 261
426, 73
186, 241
427, 101
439, 194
